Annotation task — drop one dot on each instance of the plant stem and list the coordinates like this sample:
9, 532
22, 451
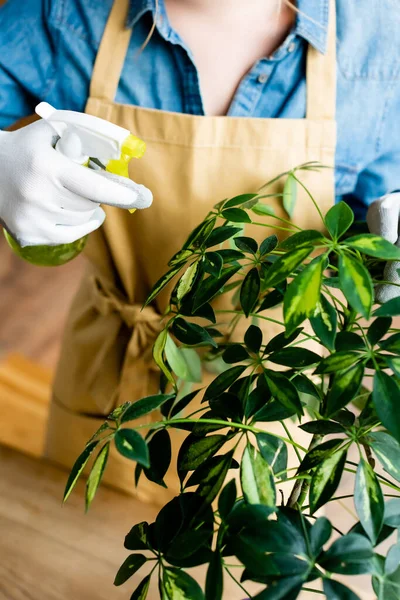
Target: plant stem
300, 488
226, 424
237, 582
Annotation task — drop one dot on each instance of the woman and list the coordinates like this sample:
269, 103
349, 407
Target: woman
227, 95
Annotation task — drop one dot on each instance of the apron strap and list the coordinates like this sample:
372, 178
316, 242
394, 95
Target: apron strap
111, 54
321, 69
321, 75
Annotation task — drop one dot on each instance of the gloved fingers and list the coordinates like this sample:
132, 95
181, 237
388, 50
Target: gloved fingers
144, 196
104, 188
383, 217
70, 202
387, 291
65, 234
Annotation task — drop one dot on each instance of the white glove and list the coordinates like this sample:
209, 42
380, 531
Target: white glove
46, 198
383, 219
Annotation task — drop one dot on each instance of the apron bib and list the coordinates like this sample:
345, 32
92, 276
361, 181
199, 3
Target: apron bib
191, 163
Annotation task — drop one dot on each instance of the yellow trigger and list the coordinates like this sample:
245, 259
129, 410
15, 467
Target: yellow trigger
133, 147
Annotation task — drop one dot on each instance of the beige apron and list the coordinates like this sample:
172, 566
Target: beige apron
191, 163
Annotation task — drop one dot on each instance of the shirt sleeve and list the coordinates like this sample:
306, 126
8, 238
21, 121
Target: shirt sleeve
27, 57
381, 175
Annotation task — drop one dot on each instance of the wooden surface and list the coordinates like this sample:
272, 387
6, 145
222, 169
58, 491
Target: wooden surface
54, 552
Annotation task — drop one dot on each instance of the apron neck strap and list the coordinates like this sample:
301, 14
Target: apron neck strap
111, 54
321, 75
321, 69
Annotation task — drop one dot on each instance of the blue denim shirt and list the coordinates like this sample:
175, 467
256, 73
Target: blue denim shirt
48, 48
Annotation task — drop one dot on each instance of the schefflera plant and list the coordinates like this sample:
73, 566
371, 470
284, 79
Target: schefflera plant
241, 526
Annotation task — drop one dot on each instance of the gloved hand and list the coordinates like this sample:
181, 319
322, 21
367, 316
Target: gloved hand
383, 219
46, 198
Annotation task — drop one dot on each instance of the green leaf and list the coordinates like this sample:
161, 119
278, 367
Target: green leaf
378, 329
144, 406
235, 353
253, 338
200, 234
268, 245
214, 579
162, 282
185, 283
323, 427
368, 500
344, 388
223, 381
271, 300
356, 284
334, 590
130, 444
285, 265
391, 344
326, 479
227, 499
290, 194
385, 397
129, 567
273, 411
195, 451
192, 334
96, 474
178, 585
246, 244
211, 286
348, 340
186, 543
339, 361
236, 215
213, 263
250, 291
257, 478
274, 452
185, 362
387, 450
221, 234
158, 355
284, 391
183, 403
320, 453
303, 294
239, 200
301, 238
351, 554
78, 468
281, 340
375, 246
339, 219
160, 457
136, 539
294, 357
142, 590
263, 210
391, 308
324, 323
212, 477
229, 255
320, 534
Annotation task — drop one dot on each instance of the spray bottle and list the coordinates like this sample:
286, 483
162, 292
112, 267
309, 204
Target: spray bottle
103, 146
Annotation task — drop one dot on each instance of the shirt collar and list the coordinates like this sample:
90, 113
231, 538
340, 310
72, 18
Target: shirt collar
311, 24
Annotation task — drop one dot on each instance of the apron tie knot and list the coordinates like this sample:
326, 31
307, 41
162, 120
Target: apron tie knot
144, 325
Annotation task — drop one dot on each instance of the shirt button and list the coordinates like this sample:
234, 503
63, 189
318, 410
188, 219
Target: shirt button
262, 78
291, 47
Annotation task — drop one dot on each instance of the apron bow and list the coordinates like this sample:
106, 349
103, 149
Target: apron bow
143, 326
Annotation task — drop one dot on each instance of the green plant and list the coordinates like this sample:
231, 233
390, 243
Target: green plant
323, 280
